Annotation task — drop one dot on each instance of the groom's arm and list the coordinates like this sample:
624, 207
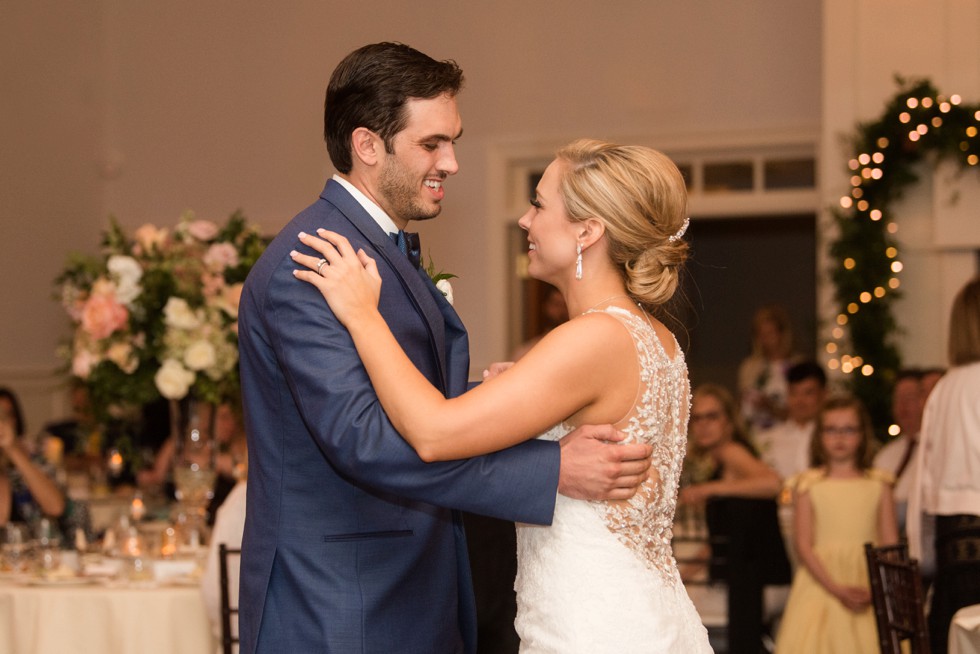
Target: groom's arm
593, 467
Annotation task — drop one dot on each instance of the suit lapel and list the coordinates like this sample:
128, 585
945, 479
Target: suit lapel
416, 283
456, 340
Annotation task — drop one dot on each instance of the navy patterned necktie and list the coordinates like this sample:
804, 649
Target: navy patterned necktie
408, 243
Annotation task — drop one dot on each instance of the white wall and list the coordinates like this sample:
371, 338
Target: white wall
52, 106
144, 109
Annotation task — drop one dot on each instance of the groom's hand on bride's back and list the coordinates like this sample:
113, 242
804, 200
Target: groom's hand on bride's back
596, 466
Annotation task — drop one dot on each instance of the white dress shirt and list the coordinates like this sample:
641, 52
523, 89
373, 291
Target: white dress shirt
377, 213
786, 447
947, 464
229, 525
889, 458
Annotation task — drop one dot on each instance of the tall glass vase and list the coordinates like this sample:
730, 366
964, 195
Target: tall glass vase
192, 426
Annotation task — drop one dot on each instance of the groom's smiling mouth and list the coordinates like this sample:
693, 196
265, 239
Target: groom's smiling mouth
435, 188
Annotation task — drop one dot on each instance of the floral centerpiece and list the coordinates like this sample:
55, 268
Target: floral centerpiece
156, 314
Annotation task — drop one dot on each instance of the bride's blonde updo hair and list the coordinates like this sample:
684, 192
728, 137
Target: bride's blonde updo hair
640, 196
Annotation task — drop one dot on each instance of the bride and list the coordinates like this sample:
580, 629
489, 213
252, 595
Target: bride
606, 229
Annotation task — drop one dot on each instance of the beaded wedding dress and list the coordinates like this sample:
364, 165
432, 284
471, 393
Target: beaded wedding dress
602, 578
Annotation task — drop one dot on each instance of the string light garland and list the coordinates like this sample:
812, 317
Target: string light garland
917, 123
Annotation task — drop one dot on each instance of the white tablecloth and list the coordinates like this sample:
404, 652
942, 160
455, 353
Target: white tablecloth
104, 620
964, 631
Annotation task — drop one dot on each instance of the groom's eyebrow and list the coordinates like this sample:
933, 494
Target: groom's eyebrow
446, 137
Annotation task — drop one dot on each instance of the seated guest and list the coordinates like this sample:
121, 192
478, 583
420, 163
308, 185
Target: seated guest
897, 455
716, 430
77, 432
786, 446
229, 525
746, 548
27, 492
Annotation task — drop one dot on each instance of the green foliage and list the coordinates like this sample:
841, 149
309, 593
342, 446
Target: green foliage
434, 275
917, 125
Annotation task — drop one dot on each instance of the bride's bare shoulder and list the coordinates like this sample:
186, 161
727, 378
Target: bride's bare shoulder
589, 335
605, 325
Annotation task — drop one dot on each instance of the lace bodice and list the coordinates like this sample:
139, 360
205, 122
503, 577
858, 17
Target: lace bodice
602, 578
659, 418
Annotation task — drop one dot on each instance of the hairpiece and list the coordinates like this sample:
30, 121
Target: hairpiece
676, 236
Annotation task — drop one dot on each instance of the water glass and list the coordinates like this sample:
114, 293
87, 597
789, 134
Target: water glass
16, 548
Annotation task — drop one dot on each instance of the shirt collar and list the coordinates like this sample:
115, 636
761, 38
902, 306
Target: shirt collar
376, 212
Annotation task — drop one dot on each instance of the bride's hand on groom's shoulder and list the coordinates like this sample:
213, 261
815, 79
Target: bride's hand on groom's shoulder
595, 465
348, 280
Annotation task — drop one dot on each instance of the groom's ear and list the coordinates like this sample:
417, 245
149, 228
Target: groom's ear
366, 146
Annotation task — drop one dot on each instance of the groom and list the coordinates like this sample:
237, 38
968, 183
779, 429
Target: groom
352, 543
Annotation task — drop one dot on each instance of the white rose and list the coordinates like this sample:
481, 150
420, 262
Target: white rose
200, 355
127, 273
173, 380
177, 313
446, 289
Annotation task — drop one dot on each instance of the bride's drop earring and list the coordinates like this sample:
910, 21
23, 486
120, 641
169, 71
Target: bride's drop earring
578, 261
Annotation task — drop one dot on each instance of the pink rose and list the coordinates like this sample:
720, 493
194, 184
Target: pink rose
202, 230
103, 315
220, 256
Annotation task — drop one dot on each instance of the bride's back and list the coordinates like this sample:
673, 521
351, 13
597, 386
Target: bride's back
603, 578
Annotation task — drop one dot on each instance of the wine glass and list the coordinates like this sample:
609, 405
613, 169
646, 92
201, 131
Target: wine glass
16, 548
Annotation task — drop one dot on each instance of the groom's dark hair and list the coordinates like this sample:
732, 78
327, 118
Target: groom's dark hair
369, 89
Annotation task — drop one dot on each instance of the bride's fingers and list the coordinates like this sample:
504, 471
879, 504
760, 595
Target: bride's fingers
325, 248
370, 265
307, 260
340, 242
312, 278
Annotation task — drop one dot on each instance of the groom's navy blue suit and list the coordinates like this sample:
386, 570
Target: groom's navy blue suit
347, 546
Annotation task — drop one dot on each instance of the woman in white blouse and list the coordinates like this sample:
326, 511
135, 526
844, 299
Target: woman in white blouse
947, 486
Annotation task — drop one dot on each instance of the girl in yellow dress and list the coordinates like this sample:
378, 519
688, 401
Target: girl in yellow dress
841, 503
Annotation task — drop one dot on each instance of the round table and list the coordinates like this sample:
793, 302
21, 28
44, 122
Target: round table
964, 631
110, 619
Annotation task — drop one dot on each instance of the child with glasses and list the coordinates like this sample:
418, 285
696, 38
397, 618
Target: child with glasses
841, 503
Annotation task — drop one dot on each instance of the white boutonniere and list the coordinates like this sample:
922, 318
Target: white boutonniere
446, 289
441, 280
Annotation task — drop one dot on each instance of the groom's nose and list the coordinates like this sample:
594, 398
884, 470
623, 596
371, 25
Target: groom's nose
447, 160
